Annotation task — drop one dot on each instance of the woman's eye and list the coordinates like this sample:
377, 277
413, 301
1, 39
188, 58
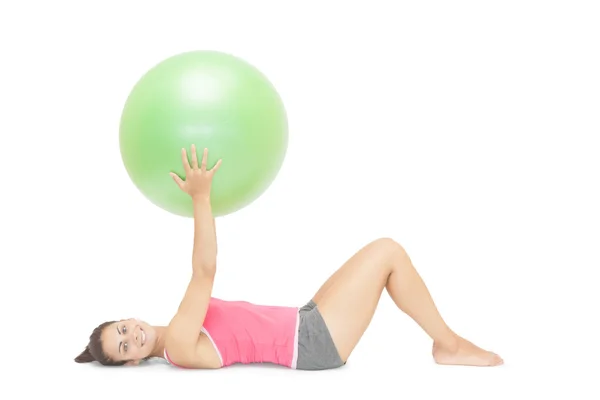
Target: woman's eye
125, 347
124, 329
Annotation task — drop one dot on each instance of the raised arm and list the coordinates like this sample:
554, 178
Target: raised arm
184, 329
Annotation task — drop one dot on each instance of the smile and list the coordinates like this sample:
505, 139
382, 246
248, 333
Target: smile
143, 336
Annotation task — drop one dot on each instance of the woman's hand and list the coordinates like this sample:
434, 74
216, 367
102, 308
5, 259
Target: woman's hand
198, 179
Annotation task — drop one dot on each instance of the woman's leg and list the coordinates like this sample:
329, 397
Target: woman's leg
349, 298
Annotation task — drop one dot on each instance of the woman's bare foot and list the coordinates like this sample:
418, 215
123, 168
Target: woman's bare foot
463, 352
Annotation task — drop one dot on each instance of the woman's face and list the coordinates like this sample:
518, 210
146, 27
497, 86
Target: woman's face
129, 340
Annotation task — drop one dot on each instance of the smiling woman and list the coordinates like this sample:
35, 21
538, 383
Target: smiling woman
124, 342
208, 333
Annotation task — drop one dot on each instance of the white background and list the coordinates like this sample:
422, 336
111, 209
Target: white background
466, 130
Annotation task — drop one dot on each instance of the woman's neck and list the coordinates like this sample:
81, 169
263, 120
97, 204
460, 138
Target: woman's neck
159, 347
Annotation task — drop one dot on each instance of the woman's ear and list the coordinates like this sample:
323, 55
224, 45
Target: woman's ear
85, 356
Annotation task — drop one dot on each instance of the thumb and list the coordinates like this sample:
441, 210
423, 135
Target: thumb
177, 179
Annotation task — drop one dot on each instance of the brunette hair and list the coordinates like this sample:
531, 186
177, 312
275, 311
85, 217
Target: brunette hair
94, 351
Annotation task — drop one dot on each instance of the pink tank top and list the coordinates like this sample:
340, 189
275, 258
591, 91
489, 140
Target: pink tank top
246, 333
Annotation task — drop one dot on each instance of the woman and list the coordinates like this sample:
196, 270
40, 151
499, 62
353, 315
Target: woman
211, 333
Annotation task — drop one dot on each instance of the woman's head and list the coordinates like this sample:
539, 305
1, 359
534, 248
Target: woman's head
125, 342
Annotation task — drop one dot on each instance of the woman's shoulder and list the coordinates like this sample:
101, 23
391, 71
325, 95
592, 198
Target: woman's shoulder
197, 355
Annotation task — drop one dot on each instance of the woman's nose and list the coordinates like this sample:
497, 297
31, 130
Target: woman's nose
135, 334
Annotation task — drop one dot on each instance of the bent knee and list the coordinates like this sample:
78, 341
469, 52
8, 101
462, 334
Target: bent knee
387, 244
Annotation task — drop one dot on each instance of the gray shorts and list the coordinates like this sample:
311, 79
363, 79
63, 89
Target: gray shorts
316, 350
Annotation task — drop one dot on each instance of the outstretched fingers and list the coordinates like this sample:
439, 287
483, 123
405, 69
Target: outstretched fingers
194, 164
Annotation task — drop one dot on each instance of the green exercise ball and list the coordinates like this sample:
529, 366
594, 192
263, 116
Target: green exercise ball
215, 101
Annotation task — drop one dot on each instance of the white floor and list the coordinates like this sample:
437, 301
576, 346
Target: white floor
374, 371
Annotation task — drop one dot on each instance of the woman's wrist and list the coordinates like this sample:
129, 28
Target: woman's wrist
201, 199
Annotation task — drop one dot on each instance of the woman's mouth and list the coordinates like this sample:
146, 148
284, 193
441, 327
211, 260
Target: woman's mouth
143, 336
